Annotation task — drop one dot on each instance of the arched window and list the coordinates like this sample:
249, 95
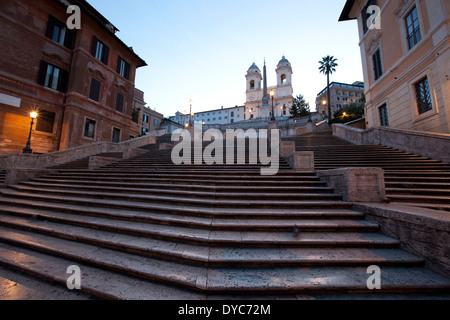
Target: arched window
283, 79
252, 84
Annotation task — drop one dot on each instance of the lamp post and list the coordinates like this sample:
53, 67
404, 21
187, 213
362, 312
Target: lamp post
27, 150
190, 113
324, 102
272, 94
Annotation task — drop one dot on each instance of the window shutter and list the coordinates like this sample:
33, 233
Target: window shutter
105, 57
127, 70
63, 81
42, 73
50, 26
69, 41
119, 60
94, 46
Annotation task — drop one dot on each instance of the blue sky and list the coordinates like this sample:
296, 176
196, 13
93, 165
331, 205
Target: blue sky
202, 49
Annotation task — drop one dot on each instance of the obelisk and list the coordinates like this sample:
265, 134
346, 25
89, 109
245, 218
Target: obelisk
265, 100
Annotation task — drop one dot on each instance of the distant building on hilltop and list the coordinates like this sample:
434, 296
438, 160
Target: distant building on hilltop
342, 94
253, 108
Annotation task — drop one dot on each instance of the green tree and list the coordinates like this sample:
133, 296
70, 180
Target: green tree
300, 108
135, 114
328, 66
351, 112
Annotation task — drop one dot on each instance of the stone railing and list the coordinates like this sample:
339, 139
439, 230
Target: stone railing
42, 161
426, 144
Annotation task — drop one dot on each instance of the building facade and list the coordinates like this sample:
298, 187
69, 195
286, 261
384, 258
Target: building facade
406, 62
80, 82
341, 94
149, 120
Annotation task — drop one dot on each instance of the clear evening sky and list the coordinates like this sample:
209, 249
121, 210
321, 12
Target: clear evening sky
202, 49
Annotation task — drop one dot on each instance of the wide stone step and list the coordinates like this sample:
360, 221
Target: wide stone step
418, 185
416, 198
327, 209
314, 181
183, 185
200, 174
103, 234
204, 192
224, 257
257, 201
48, 257
421, 192
434, 206
17, 286
104, 284
385, 167
305, 221
398, 175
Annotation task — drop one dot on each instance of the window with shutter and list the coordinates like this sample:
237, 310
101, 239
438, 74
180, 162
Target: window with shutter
119, 102
94, 93
377, 65
53, 77
100, 51
116, 135
58, 32
123, 68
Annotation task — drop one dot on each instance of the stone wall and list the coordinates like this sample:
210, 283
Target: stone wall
23, 161
422, 232
426, 144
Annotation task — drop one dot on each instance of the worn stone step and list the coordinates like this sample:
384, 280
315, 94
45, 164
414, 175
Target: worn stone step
200, 237
127, 223
386, 167
434, 206
205, 174
224, 257
174, 181
104, 284
211, 192
417, 198
197, 217
421, 192
418, 185
327, 209
15, 286
396, 175
183, 185
50, 258
187, 199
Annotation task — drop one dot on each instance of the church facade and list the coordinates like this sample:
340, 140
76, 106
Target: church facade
283, 99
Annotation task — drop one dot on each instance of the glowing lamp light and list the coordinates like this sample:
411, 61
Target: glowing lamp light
33, 115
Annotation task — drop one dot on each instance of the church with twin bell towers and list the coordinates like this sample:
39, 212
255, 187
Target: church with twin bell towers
258, 95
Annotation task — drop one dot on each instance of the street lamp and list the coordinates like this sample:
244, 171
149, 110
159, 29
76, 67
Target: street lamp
272, 94
27, 150
190, 112
324, 103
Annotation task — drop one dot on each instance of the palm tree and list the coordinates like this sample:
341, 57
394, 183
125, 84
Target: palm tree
328, 66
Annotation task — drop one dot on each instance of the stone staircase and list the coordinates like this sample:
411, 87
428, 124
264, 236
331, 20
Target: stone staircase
84, 162
147, 229
2, 177
410, 179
